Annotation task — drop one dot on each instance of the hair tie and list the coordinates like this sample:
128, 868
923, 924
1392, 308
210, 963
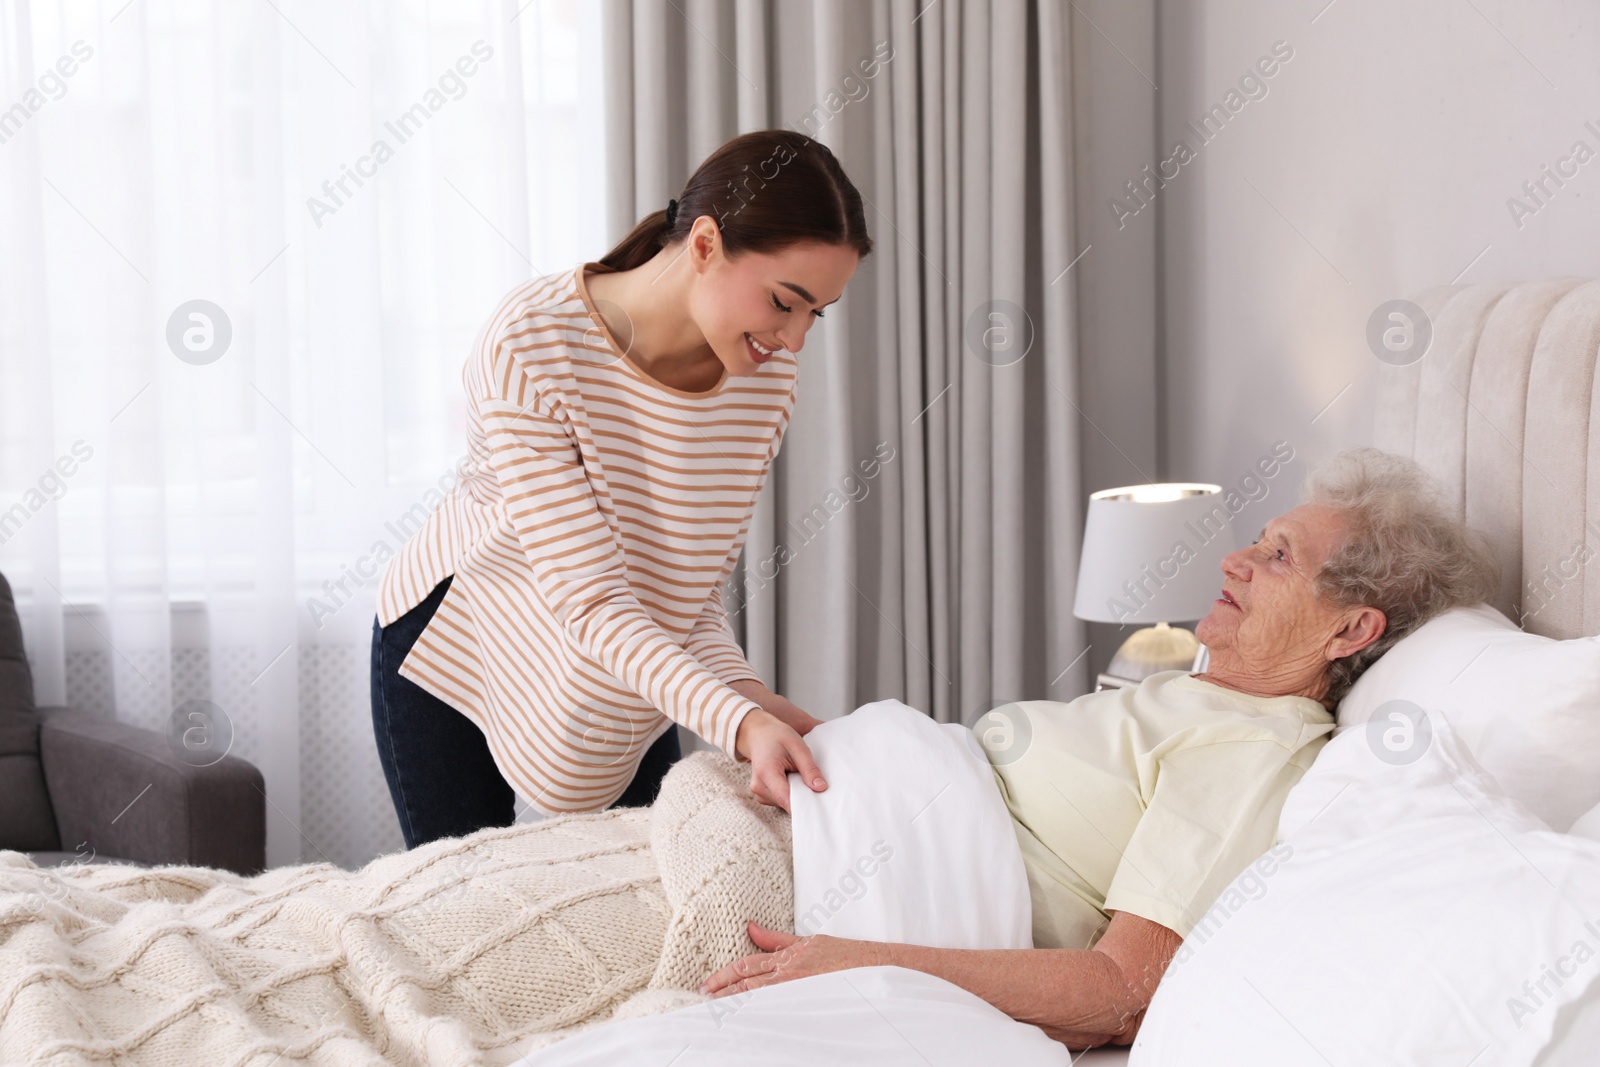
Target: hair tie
672, 213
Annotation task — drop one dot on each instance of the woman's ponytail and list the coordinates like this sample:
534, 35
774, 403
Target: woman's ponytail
642, 242
766, 190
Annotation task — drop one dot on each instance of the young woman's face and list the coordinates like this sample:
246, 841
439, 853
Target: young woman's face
756, 304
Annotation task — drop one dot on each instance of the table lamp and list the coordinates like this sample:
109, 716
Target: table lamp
1152, 554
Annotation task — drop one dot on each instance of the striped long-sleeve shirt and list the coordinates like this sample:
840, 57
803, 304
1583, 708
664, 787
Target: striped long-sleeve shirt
598, 514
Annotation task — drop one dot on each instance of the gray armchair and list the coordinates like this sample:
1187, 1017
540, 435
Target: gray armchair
71, 782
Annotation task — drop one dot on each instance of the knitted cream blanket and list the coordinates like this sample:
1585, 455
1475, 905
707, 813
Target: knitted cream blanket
460, 952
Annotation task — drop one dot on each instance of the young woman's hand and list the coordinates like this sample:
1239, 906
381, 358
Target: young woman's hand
774, 749
780, 707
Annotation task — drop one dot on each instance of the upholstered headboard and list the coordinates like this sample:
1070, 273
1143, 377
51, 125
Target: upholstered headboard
1504, 409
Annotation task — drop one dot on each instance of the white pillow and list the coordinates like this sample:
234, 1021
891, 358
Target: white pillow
1528, 707
1407, 905
1588, 824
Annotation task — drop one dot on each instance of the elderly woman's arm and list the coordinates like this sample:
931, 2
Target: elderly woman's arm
1081, 997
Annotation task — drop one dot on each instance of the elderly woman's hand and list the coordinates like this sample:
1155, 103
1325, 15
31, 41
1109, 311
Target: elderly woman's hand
784, 957
1081, 997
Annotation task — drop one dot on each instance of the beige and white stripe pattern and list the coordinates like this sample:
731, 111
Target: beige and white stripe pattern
598, 515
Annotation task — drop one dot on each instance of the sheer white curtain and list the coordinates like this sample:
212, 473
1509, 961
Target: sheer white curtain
244, 249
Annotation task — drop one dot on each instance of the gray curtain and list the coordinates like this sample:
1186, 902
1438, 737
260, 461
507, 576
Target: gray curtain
929, 495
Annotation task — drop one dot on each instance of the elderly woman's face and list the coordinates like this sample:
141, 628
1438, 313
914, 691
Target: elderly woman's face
1269, 620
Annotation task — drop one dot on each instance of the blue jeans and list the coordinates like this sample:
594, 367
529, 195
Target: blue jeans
442, 777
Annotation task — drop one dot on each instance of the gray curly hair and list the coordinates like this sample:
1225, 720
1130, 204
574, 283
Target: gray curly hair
1405, 553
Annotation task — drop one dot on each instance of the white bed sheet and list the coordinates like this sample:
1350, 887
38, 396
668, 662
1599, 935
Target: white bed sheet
870, 1015
911, 842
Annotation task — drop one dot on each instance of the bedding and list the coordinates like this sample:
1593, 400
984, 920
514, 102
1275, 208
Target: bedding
1524, 705
1411, 913
911, 841
1588, 824
1577, 1033
868, 1015
485, 949
452, 953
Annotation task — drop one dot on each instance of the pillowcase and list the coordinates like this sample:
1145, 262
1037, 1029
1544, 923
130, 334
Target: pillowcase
1413, 914
1528, 707
1588, 824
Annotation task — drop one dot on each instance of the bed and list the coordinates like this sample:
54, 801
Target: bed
1499, 409
1503, 409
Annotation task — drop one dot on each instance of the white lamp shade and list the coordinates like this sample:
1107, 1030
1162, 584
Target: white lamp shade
1153, 553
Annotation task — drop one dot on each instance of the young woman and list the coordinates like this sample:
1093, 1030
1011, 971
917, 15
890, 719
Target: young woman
542, 632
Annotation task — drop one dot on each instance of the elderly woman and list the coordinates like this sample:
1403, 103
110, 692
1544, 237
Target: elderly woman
1134, 808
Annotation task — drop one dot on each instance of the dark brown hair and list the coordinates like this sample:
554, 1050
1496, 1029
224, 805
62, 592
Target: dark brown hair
766, 190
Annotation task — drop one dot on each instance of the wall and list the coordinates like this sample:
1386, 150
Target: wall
1378, 163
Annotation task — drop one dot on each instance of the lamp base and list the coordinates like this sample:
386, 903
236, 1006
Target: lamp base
1155, 648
